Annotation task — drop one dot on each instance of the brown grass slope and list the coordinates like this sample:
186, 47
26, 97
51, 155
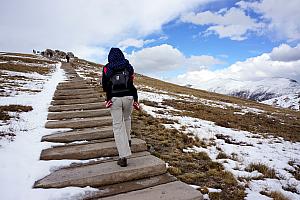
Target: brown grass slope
192, 168
168, 144
273, 121
13, 83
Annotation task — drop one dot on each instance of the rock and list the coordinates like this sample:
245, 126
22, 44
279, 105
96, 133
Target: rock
60, 54
129, 186
77, 101
49, 53
78, 114
88, 150
80, 123
86, 106
70, 54
169, 191
76, 96
73, 86
80, 135
104, 174
75, 92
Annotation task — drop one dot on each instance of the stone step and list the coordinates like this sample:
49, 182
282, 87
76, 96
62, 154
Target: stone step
74, 86
80, 123
169, 191
78, 114
80, 135
77, 101
93, 92
87, 106
104, 174
72, 72
109, 138
75, 92
71, 77
78, 96
129, 186
72, 82
89, 150
75, 76
68, 68
102, 160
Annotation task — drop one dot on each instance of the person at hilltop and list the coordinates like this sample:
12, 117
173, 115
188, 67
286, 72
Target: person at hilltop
121, 98
68, 58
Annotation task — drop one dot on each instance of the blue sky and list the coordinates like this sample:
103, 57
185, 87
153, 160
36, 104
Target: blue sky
191, 40
187, 39
177, 40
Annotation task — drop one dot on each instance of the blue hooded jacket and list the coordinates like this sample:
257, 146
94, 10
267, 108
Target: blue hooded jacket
116, 61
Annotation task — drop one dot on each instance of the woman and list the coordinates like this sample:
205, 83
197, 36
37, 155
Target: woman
121, 96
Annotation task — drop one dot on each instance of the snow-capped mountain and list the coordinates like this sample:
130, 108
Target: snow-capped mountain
281, 92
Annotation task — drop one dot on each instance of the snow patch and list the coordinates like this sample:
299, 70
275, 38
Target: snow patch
20, 166
243, 149
286, 101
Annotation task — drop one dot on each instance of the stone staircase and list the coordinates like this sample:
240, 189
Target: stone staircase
78, 106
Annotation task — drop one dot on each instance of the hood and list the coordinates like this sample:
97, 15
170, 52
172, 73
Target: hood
115, 55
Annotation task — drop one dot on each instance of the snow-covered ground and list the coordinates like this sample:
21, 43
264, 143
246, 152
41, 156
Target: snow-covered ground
268, 85
17, 83
14, 83
152, 95
285, 101
20, 166
266, 91
245, 148
33, 57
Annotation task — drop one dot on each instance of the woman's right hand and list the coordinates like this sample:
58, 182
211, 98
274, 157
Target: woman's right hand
108, 104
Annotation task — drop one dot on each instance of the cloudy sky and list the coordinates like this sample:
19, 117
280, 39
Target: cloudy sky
185, 41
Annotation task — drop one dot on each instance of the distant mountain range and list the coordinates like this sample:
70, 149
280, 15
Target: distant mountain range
281, 92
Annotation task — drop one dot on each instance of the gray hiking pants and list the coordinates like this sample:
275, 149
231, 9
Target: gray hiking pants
121, 110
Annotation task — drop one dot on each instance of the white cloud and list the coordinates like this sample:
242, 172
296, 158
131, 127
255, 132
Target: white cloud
131, 42
163, 37
285, 53
165, 58
195, 77
157, 59
73, 24
256, 68
262, 67
232, 23
281, 16
201, 62
97, 54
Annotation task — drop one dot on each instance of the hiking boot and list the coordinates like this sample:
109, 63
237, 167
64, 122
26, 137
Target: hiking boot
122, 162
129, 141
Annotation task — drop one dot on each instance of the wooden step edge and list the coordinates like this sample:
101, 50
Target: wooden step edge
130, 186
